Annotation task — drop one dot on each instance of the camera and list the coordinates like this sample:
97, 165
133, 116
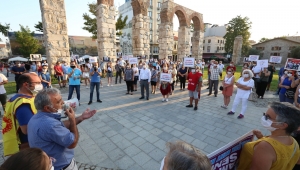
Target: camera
95, 69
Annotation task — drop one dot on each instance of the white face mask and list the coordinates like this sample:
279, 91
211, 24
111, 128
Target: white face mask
58, 112
144, 66
246, 75
37, 88
229, 73
19, 64
215, 65
285, 72
193, 70
231, 64
52, 168
289, 74
267, 123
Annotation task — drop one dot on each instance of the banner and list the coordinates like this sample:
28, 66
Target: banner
253, 57
262, 63
106, 59
292, 64
125, 57
165, 77
93, 60
133, 60
227, 156
189, 62
275, 59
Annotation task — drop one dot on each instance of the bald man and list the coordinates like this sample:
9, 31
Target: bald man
18, 111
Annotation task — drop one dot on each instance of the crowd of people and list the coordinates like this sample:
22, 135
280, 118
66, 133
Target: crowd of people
32, 122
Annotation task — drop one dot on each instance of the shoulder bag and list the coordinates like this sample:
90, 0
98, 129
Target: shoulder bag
221, 87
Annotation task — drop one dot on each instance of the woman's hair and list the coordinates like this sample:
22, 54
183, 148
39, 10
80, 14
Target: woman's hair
27, 159
249, 71
288, 114
185, 156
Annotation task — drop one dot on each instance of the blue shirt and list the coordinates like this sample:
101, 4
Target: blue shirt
286, 82
65, 69
45, 77
75, 78
47, 132
18, 69
33, 68
95, 77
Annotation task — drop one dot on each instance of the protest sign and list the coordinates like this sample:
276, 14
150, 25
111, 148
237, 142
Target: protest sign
106, 58
246, 59
227, 156
133, 60
253, 57
165, 77
189, 62
35, 57
93, 59
275, 59
262, 63
292, 64
125, 57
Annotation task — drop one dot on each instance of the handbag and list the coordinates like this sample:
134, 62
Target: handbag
252, 96
221, 87
290, 93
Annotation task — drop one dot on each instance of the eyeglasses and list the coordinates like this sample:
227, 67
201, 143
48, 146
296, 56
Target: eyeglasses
34, 82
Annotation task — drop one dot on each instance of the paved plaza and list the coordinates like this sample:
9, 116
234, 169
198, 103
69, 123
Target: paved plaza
128, 133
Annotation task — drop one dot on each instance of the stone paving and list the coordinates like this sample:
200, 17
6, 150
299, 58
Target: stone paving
128, 133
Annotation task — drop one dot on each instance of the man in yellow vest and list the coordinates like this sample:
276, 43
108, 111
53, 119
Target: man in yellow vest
19, 110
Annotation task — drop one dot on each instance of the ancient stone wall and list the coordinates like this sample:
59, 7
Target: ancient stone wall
106, 29
183, 42
237, 49
55, 31
165, 40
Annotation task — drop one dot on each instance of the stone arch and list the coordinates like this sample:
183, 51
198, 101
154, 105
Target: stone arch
181, 15
139, 7
197, 40
198, 21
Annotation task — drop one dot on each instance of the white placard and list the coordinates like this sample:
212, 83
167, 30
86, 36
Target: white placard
35, 57
253, 57
93, 60
125, 57
275, 59
165, 77
262, 63
246, 59
189, 62
133, 60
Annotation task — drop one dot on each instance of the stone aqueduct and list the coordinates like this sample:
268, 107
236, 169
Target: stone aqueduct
56, 35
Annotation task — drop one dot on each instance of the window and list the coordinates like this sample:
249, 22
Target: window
150, 14
150, 25
275, 54
208, 49
150, 37
150, 2
260, 48
203, 41
292, 47
158, 16
218, 41
203, 48
209, 40
276, 48
159, 5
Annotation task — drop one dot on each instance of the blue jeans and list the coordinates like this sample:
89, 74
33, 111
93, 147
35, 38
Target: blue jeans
283, 98
71, 89
93, 84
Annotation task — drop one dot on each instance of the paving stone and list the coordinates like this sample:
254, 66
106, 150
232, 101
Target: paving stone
138, 141
141, 158
132, 150
165, 136
147, 147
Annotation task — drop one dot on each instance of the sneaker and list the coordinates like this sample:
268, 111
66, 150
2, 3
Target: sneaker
240, 116
90, 102
195, 108
189, 105
99, 101
167, 100
163, 99
230, 113
154, 92
209, 94
108, 85
101, 85
224, 107
86, 87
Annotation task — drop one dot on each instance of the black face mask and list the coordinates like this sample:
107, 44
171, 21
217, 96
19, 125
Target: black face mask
72, 66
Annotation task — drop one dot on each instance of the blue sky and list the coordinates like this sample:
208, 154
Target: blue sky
269, 18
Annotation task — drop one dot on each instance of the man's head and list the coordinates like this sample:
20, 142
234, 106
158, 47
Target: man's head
73, 64
49, 100
231, 63
18, 64
30, 83
144, 65
220, 62
95, 64
45, 68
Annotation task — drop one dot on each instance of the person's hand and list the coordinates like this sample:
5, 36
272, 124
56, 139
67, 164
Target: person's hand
258, 134
297, 104
70, 114
287, 87
88, 114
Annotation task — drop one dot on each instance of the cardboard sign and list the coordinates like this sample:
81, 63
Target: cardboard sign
246, 59
292, 64
253, 57
133, 60
227, 156
35, 57
165, 77
106, 59
189, 62
125, 57
275, 59
262, 63
93, 60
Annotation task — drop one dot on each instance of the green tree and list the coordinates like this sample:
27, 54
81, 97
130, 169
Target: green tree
295, 52
39, 26
238, 26
90, 23
263, 39
28, 44
4, 29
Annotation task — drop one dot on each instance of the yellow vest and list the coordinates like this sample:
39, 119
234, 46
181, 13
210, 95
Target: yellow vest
287, 155
10, 125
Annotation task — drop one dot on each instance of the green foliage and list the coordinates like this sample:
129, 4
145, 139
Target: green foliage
238, 26
90, 23
4, 29
263, 39
295, 52
28, 44
120, 24
39, 26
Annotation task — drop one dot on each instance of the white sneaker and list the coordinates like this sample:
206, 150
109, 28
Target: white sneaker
101, 85
108, 85
86, 87
163, 99
167, 100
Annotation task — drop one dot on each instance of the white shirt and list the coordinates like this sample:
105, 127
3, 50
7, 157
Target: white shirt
145, 74
122, 63
135, 71
244, 93
221, 66
2, 78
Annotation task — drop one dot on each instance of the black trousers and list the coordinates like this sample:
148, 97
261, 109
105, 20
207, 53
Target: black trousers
118, 74
3, 99
129, 85
261, 88
182, 82
172, 85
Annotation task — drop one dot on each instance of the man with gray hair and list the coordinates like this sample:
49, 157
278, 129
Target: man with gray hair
47, 132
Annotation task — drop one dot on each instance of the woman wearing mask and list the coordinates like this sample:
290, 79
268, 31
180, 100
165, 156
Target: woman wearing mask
165, 87
244, 88
136, 76
158, 75
285, 85
227, 84
182, 72
174, 78
86, 75
245, 66
109, 69
262, 84
129, 77
45, 77
154, 77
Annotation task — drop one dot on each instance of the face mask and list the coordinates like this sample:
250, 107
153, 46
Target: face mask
267, 124
231, 64
73, 67
246, 75
285, 72
193, 70
165, 68
144, 66
37, 88
289, 74
197, 70
19, 64
44, 70
58, 112
229, 73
